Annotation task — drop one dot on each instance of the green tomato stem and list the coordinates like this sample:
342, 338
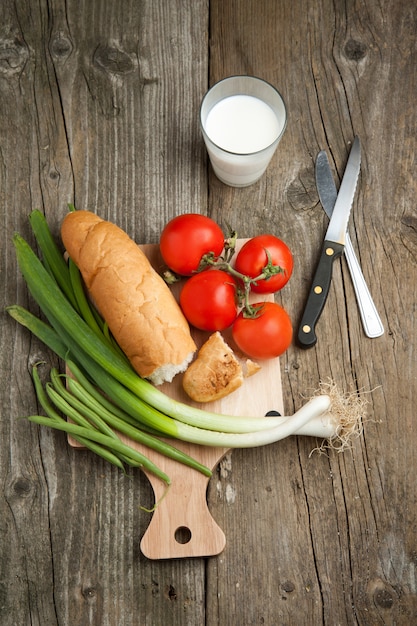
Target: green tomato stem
223, 263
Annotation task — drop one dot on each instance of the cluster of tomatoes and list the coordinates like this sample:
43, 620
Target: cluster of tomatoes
218, 292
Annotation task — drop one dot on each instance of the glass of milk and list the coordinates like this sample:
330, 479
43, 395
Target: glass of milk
242, 119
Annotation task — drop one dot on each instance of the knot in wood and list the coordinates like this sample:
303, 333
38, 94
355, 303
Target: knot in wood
61, 47
22, 487
288, 586
113, 60
89, 592
408, 233
355, 50
383, 598
13, 56
302, 192
410, 222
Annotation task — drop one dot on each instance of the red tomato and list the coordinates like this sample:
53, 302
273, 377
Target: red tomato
252, 258
208, 300
266, 336
186, 238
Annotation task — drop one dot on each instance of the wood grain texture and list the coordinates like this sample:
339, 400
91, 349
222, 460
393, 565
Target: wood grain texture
99, 106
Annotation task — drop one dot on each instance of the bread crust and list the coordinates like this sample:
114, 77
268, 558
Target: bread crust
215, 373
136, 303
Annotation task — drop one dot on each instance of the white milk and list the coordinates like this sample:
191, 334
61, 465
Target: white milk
242, 124
242, 120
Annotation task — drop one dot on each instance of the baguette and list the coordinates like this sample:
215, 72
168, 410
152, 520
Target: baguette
138, 306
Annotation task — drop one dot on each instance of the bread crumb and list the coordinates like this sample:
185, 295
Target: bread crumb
250, 368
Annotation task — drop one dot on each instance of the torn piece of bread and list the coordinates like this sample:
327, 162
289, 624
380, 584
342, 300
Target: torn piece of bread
138, 306
215, 373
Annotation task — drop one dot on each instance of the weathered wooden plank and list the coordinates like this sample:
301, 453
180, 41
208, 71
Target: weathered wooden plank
328, 538
139, 80
98, 108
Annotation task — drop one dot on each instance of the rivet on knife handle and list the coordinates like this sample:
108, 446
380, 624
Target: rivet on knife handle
318, 293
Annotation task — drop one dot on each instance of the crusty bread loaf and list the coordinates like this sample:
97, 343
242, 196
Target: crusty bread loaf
215, 373
136, 303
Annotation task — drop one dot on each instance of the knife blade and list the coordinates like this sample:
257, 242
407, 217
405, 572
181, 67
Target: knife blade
333, 248
327, 191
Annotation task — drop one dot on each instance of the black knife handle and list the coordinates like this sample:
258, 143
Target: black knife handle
318, 293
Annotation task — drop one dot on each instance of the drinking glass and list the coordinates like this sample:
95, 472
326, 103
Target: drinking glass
242, 120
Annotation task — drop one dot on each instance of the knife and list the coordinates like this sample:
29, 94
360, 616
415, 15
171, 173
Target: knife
333, 247
328, 193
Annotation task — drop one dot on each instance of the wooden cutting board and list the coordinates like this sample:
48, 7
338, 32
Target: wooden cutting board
181, 525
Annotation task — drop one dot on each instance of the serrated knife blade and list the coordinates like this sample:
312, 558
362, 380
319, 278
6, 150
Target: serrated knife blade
333, 247
327, 191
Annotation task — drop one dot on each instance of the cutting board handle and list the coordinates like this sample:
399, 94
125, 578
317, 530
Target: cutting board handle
182, 525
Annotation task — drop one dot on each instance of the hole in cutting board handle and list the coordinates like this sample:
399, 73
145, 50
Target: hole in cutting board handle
183, 535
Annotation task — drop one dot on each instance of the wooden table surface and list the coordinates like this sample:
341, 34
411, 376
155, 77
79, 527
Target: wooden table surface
99, 107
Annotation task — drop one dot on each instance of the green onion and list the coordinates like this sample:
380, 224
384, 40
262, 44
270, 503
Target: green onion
83, 432
99, 398
58, 393
82, 302
55, 417
49, 336
78, 414
81, 399
92, 435
37, 327
52, 256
